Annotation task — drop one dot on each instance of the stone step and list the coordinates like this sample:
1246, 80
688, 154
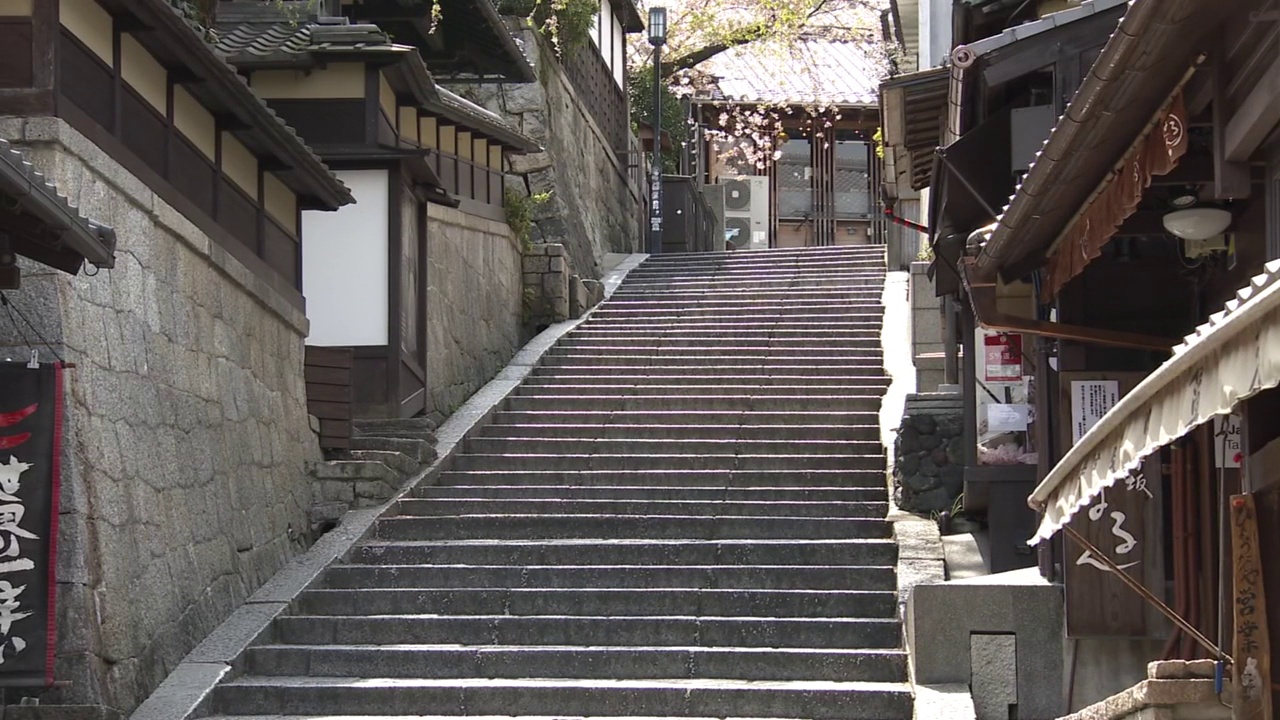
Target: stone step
844, 279
596, 461
399, 462
626, 527
436, 506
846, 577
594, 328
700, 374
760, 300
686, 432
442, 717
666, 446
759, 402
612, 602
540, 387
545, 378
374, 426
503, 629
725, 552
621, 662
353, 470
818, 700
817, 269
842, 363
420, 450
631, 477
809, 345
685, 418
642, 311
691, 493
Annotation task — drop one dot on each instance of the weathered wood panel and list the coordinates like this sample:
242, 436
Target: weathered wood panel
328, 378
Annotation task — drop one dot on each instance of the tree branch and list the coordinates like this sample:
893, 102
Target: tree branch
697, 56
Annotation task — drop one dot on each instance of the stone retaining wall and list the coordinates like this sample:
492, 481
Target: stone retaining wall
474, 318
929, 453
186, 439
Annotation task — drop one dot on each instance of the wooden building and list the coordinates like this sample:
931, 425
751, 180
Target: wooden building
1150, 213
372, 110
818, 173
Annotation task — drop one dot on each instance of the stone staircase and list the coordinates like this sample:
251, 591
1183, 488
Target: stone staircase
384, 454
679, 514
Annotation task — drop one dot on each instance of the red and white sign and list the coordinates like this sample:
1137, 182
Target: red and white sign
1003, 357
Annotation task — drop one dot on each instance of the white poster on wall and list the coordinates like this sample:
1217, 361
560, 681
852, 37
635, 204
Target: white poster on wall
1090, 400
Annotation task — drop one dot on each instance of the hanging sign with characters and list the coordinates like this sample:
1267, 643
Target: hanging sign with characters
30, 437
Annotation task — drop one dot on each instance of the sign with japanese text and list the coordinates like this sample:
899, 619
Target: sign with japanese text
1099, 604
1251, 650
30, 438
1003, 357
1090, 400
1226, 440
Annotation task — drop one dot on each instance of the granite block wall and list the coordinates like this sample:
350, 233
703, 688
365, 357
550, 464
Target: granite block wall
187, 435
473, 305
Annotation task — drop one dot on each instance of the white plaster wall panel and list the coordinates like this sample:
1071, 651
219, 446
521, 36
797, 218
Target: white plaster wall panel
344, 265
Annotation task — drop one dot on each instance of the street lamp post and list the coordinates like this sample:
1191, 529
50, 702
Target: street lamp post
657, 37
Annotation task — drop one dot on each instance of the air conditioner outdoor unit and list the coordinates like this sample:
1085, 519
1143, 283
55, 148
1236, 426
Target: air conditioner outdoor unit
746, 211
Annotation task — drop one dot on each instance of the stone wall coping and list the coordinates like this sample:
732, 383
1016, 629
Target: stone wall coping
185, 694
55, 131
1151, 694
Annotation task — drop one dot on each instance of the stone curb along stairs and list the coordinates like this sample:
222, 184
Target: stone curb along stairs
679, 513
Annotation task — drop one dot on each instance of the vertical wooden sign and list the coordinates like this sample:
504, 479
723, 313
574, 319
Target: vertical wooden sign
1251, 673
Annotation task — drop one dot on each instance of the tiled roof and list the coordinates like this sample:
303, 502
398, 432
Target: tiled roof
463, 110
817, 71
21, 180
261, 30
336, 189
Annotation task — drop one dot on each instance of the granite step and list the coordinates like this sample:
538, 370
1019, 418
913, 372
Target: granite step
758, 577
597, 461
673, 446
544, 430
627, 527
451, 489
437, 506
680, 477
682, 551
761, 402
622, 662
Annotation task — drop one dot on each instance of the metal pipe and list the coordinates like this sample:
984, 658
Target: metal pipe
983, 300
1145, 593
897, 220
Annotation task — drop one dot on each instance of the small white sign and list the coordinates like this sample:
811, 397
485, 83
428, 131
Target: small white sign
1226, 438
1090, 400
1007, 417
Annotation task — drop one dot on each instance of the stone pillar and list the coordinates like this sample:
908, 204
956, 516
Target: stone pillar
929, 453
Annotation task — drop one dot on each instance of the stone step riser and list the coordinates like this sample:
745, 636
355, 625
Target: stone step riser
551, 390
725, 345
400, 463
623, 527
450, 490
631, 477
597, 663
392, 424
509, 630
800, 283
627, 576
419, 450
624, 602
434, 507
837, 365
868, 463
728, 332
854, 703
828, 433
843, 551
756, 402
679, 446
701, 374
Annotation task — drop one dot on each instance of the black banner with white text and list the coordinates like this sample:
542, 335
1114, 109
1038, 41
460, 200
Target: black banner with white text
30, 452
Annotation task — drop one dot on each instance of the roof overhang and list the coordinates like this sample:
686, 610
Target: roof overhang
912, 108
1227, 360
1143, 63
177, 45
42, 225
470, 44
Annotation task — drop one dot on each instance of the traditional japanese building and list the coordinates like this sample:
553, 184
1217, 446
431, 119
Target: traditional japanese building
416, 156
809, 178
1146, 212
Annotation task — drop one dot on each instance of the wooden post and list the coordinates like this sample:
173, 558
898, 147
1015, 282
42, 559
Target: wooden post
1251, 672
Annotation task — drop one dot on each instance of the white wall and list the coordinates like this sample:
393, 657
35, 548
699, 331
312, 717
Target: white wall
344, 265
935, 32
